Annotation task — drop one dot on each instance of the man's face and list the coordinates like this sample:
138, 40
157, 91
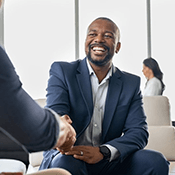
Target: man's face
101, 42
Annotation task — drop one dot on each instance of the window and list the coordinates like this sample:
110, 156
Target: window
37, 33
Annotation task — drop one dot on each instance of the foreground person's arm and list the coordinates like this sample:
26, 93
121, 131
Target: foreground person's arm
34, 127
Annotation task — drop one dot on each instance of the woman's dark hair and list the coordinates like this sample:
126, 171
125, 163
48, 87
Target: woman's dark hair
153, 65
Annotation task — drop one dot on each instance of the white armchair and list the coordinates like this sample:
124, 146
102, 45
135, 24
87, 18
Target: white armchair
161, 131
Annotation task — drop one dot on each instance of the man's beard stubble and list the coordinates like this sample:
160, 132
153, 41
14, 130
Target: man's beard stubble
96, 62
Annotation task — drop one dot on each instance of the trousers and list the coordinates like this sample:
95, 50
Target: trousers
142, 162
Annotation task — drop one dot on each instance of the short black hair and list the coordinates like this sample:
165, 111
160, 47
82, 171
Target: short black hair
107, 19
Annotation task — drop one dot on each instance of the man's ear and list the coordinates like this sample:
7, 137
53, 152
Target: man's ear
118, 47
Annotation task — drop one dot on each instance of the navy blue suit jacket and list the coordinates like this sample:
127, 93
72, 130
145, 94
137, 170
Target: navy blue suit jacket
124, 126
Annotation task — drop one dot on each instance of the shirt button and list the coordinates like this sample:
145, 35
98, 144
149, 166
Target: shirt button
95, 125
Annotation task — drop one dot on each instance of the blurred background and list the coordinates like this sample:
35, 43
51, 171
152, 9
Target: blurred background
39, 32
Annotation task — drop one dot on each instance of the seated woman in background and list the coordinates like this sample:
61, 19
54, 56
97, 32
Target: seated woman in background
154, 85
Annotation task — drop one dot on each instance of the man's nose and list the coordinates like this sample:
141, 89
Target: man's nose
99, 39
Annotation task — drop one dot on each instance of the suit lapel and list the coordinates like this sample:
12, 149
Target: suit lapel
113, 95
84, 83
114, 91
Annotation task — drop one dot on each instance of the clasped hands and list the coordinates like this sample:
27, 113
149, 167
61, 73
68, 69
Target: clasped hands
67, 134
88, 154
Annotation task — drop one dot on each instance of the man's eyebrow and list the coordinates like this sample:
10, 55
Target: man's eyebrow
110, 32
92, 30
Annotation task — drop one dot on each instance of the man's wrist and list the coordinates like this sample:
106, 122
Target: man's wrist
105, 151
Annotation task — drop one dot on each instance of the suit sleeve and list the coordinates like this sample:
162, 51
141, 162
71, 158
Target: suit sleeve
57, 91
135, 135
34, 127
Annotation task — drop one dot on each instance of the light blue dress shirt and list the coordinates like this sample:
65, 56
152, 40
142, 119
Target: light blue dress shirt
92, 134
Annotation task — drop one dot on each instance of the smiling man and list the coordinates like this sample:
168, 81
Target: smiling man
105, 106
101, 44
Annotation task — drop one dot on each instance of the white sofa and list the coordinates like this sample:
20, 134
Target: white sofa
162, 133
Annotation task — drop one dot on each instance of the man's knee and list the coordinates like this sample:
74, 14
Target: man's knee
159, 160
152, 161
69, 163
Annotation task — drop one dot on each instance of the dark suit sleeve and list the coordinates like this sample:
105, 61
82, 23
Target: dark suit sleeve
57, 91
34, 127
135, 135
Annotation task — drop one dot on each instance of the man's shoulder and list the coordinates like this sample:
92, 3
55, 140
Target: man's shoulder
66, 64
130, 81
127, 75
67, 68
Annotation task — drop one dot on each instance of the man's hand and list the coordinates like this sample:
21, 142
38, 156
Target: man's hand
88, 154
67, 135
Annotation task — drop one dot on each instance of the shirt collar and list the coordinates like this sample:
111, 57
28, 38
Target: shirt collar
91, 71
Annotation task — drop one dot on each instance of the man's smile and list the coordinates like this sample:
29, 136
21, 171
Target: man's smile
99, 49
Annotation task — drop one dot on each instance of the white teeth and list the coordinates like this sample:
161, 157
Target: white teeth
99, 49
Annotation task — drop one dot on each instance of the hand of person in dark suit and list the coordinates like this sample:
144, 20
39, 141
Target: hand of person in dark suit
67, 135
88, 154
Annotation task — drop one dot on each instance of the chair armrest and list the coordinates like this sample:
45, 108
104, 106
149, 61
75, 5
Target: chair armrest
36, 158
162, 139
52, 171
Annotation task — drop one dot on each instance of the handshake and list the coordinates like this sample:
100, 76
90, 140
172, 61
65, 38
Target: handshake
67, 135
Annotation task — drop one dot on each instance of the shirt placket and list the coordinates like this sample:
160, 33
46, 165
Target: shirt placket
97, 117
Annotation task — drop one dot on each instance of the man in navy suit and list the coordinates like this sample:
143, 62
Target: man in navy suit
105, 106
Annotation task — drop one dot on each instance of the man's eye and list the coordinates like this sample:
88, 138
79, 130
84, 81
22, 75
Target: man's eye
108, 36
92, 34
